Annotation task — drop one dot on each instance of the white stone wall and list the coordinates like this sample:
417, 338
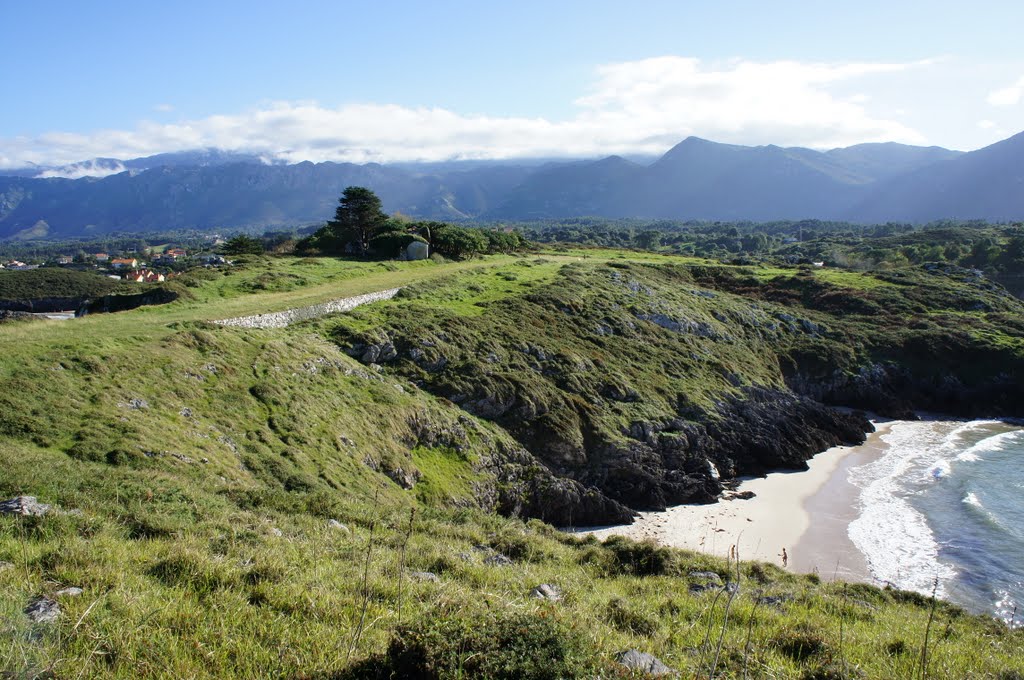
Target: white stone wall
290, 316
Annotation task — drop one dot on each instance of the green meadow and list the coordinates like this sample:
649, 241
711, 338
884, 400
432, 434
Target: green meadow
230, 500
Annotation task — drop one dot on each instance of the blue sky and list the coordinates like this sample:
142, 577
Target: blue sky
405, 81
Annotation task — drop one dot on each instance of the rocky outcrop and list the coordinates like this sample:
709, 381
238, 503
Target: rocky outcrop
517, 484
24, 506
290, 316
894, 391
627, 389
645, 663
43, 610
684, 461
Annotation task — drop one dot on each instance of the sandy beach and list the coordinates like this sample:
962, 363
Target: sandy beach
805, 512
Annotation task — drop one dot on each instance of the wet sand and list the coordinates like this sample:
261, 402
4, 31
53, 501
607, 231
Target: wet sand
806, 512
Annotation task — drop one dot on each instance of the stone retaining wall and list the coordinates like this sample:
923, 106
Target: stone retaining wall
290, 316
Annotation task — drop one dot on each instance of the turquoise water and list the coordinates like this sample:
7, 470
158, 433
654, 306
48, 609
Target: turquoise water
944, 508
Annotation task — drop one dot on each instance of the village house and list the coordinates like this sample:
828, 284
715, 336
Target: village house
17, 265
144, 276
171, 255
101, 257
124, 263
65, 259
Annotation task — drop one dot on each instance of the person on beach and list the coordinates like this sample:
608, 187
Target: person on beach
785, 557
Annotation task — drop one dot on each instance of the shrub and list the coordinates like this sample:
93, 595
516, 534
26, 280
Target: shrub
831, 670
195, 572
629, 620
493, 645
896, 648
800, 643
641, 559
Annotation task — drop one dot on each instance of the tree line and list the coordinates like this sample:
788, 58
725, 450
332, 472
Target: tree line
361, 227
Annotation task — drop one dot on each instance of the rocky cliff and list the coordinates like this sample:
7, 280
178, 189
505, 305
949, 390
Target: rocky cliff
659, 385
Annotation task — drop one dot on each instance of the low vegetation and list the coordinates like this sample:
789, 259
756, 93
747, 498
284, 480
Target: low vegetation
249, 503
56, 283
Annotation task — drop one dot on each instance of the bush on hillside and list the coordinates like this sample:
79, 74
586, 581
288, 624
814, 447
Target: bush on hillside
494, 645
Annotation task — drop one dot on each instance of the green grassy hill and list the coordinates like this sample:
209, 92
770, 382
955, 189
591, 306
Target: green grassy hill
249, 503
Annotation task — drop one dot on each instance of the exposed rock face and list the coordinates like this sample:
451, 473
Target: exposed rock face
24, 505
404, 478
547, 591
43, 610
688, 462
895, 392
522, 485
335, 524
643, 662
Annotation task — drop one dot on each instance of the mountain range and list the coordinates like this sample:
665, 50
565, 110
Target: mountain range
696, 179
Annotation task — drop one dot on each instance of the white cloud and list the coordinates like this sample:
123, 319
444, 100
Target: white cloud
163, 108
633, 107
986, 124
91, 168
1008, 96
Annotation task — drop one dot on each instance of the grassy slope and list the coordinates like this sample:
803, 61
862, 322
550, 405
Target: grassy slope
228, 567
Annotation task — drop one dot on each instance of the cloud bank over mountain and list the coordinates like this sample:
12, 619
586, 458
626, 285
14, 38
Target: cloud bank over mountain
632, 107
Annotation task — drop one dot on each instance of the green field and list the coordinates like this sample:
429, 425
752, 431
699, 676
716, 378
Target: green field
204, 466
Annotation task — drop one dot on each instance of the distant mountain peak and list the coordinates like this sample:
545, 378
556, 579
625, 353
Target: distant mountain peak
695, 179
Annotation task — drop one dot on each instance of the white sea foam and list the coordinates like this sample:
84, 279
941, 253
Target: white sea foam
893, 536
963, 430
940, 469
972, 499
1006, 609
996, 442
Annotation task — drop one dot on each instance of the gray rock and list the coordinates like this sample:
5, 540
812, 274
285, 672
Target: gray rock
546, 591
43, 610
641, 661
706, 576
704, 580
24, 505
276, 531
428, 576
335, 524
4, 566
404, 478
70, 591
186, 412
138, 404
380, 353
498, 560
774, 600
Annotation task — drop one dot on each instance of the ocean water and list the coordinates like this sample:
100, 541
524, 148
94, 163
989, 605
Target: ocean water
943, 508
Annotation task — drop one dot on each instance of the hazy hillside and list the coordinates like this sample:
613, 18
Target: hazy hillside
700, 179
985, 184
696, 179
